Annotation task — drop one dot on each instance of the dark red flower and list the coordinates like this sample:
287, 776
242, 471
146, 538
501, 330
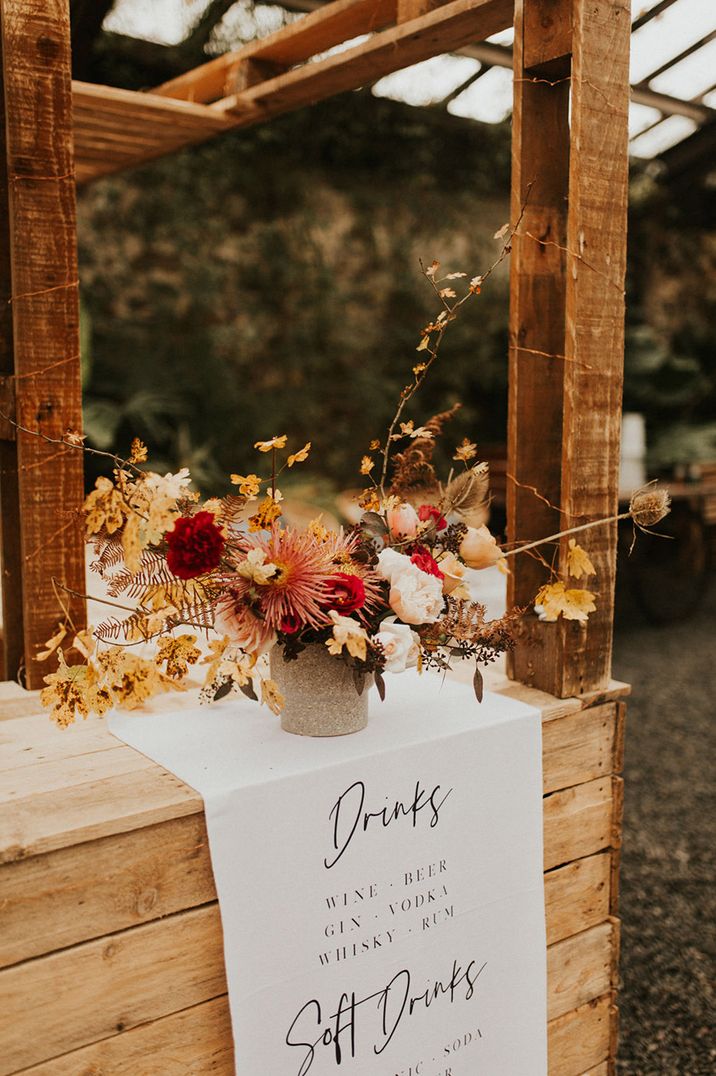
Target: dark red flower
346, 593
290, 624
195, 545
427, 563
430, 512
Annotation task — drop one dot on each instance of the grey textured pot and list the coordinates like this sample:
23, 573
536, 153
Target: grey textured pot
320, 696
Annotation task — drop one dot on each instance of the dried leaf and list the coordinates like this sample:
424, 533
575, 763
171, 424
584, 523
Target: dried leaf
300, 456
578, 562
52, 644
502, 232
556, 600
275, 442
465, 451
478, 684
468, 494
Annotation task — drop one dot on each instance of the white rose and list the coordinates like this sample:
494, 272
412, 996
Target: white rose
391, 563
401, 646
416, 597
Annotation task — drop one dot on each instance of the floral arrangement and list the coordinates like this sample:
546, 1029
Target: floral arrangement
385, 594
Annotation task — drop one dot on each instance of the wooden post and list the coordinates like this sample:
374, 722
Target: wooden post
41, 484
565, 409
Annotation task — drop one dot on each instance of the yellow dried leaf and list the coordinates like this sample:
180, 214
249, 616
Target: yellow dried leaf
104, 508
132, 542
366, 465
268, 512
275, 442
424, 344
179, 653
557, 600
300, 456
578, 562
52, 644
138, 452
271, 696
432, 270
249, 484
466, 451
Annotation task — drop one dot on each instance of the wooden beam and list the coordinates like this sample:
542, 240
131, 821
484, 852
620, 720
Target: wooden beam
540, 176
329, 25
565, 419
594, 337
447, 28
41, 484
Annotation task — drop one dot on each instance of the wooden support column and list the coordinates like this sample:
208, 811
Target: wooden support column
41, 485
565, 410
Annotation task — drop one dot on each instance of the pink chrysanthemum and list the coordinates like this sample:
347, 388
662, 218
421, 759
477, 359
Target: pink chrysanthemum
296, 591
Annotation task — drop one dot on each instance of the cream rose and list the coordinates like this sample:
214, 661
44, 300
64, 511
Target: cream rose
415, 597
401, 646
479, 549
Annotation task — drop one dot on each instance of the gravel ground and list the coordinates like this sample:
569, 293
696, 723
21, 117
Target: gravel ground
668, 904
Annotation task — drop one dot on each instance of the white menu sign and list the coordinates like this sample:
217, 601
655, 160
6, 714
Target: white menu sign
381, 893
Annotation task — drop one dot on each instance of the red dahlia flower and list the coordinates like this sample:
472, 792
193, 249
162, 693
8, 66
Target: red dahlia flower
427, 563
346, 593
290, 624
428, 512
195, 545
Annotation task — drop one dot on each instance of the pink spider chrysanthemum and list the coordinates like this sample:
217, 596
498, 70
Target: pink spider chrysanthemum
280, 575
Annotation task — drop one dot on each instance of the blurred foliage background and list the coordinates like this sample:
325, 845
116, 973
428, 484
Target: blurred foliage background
269, 282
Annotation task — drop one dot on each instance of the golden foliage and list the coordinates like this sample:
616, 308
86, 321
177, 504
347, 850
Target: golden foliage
578, 562
179, 652
556, 600
300, 456
104, 508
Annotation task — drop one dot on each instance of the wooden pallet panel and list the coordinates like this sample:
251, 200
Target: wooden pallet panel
146, 973
582, 1039
199, 1046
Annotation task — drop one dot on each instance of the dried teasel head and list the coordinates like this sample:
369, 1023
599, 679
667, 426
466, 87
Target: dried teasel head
648, 506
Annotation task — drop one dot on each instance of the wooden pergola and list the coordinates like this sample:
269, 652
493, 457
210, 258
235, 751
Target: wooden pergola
569, 179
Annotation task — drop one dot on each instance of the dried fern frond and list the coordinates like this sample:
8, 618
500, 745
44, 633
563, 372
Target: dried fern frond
468, 495
109, 552
413, 471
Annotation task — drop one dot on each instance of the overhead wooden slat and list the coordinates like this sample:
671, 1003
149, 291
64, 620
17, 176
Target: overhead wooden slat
292, 44
117, 129
439, 31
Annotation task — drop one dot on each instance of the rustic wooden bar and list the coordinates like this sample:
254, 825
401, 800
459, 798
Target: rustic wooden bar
111, 942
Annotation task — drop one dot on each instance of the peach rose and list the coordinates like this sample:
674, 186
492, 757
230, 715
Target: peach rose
479, 549
403, 521
453, 571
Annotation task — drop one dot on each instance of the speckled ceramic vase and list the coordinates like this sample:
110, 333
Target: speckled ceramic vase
320, 695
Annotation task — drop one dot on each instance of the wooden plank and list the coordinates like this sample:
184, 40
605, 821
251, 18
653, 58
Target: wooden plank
147, 972
42, 487
101, 988
56, 776
442, 30
581, 1039
75, 894
316, 32
577, 896
540, 176
198, 1041
578, 821
94, 809
115, 128
581, 968
580, 747
194, 1042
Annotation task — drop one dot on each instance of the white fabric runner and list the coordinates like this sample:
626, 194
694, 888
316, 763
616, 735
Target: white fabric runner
381, 893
